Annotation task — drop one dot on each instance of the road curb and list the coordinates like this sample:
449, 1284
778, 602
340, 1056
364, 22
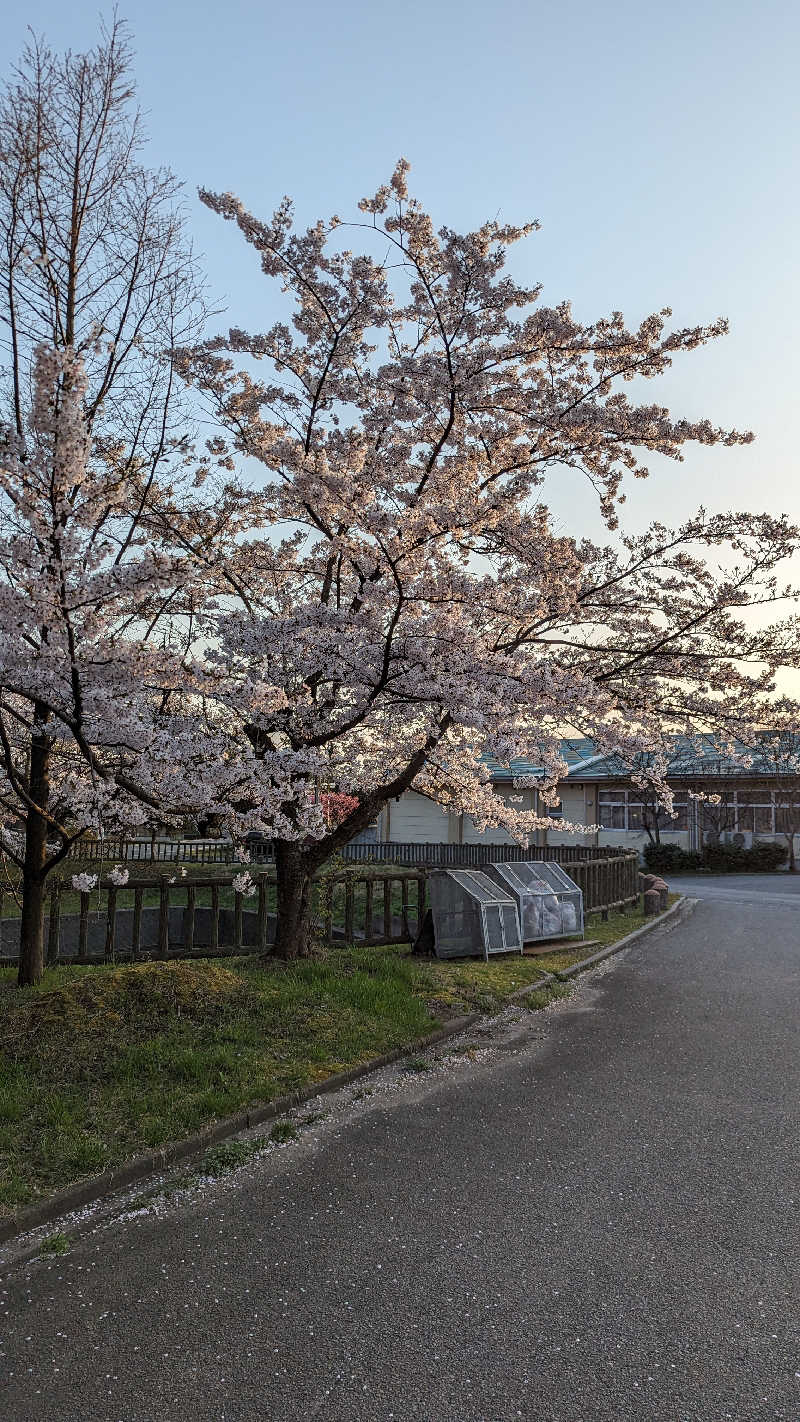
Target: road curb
111, 1182
523, 992
673, 916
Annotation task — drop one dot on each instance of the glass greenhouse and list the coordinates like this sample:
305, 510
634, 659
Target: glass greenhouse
472, 915
549, 903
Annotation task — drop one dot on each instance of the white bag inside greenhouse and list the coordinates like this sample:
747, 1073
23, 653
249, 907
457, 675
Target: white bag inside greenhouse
549, 903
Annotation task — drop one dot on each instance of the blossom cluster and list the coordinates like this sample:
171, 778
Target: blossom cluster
243, 884
84, 883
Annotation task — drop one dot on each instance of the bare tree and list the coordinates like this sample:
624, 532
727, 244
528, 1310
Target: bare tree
94, 264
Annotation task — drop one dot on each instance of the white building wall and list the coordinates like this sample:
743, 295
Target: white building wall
415, 819
496, 835
574, 809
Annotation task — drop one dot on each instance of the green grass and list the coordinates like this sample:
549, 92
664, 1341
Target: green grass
99, 1063
228, 1156
57, 1243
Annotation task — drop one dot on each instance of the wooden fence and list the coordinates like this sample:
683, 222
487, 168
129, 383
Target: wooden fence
471, 856
155, 918
164, 851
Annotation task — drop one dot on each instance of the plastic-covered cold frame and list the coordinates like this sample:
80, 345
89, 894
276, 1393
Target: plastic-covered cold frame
549, 903
472, 915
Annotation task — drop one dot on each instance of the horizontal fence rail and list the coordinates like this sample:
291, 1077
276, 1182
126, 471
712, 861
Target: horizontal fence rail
472, 855
209, 851
201, 917
166, 851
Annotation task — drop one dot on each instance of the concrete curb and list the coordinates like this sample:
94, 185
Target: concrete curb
679, 911
111, 1182
523, 992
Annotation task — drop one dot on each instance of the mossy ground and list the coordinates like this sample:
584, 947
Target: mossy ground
98, 1063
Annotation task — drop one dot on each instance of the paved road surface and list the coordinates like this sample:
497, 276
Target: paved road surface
739, 888
596, 1222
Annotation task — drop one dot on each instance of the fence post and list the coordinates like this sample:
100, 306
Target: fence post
214, 917
326, 908
387, 909
111, 923
83, 929
348, 910
188, 932
369, 932
54, 926
262, 915
163, 919
136, 930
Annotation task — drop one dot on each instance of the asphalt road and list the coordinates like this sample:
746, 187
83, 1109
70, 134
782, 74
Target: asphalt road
740, 888
595, 1219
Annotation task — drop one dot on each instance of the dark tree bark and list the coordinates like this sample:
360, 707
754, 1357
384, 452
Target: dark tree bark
296, 863
31, 944
293, 929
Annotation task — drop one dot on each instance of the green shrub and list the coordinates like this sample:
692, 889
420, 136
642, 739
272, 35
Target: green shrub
762, 857
671, 859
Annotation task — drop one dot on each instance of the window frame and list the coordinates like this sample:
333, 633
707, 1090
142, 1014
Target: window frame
620, 798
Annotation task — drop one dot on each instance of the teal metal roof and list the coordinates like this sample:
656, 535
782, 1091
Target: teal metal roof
574, 751
690, 760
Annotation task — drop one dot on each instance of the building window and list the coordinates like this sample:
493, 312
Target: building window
554, 812
624, 810
787, 814
755, 812
611, 809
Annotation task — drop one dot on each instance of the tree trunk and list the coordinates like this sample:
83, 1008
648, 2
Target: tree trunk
31, 929
293, 929
792, 861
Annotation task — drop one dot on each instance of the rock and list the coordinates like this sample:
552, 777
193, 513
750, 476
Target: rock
652, 902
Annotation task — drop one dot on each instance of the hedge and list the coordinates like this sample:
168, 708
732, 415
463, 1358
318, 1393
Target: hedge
763, 857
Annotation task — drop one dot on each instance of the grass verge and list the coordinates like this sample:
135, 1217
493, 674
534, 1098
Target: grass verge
100, 1063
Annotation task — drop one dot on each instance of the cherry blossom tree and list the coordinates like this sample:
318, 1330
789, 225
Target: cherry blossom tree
85, 731
98, 283
403, 602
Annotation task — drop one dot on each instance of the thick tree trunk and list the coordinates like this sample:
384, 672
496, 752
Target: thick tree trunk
293, 929
31, 930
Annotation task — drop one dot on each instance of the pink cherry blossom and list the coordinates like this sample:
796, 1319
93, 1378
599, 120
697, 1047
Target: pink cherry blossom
396, 600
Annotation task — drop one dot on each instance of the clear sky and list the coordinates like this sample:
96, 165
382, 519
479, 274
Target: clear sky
657, 143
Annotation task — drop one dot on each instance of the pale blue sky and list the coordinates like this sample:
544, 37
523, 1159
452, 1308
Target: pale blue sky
657, 143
